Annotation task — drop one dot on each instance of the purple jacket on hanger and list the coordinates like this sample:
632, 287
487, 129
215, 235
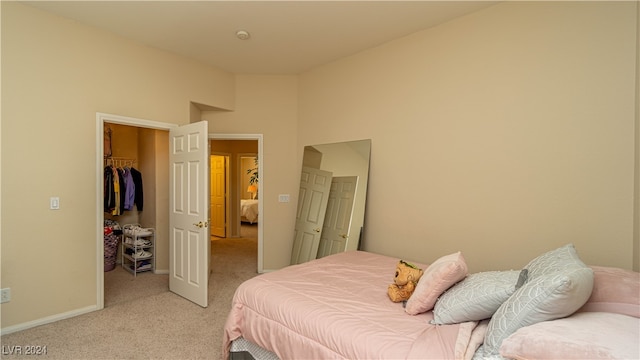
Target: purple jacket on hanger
130, 190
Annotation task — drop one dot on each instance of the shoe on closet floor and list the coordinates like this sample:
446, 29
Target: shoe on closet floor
141, 254
142, 242
136, 230
137, 242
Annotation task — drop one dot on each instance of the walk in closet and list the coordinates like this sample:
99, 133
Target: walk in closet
139, 157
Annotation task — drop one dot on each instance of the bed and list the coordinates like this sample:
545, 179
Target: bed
249, 210
337, 307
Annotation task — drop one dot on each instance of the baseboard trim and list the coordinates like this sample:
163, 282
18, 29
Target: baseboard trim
161, 272
47, 320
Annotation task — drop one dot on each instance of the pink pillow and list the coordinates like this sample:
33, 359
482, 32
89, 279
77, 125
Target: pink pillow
614, 290
589, 335
439, 276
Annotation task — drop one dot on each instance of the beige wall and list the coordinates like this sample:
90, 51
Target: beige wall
154, 166
267, 105
56, 74
517, 122
161, 178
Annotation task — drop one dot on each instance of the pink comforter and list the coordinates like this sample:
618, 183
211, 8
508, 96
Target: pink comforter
337, 308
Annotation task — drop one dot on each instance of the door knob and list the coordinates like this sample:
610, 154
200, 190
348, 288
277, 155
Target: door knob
344, 236
316, 230
201, 224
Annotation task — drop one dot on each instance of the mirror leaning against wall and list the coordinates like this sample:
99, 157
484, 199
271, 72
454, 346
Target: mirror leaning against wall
331, 201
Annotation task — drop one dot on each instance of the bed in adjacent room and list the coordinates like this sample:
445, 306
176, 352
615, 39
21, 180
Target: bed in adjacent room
249, 210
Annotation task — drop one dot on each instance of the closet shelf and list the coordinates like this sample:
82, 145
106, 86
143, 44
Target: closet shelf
138, 248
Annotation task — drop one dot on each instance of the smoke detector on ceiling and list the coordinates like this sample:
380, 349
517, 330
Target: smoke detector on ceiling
243, 34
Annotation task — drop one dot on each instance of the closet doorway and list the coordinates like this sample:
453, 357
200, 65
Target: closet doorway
150, 155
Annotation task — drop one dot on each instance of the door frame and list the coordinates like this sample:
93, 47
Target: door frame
259, 138
101, 119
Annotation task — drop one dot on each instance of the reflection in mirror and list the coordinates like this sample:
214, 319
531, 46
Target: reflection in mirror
331, 202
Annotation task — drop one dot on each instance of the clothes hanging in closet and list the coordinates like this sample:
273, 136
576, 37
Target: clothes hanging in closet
129, 189
122, 189
109, 191
137, 182
121, 193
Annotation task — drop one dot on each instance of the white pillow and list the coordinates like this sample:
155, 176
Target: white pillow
476, 297
559, 284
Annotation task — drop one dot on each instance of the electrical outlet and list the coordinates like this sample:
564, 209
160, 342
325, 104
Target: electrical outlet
5, 295
54, 203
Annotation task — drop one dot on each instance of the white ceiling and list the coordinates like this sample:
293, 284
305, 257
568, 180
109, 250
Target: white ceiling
287, 37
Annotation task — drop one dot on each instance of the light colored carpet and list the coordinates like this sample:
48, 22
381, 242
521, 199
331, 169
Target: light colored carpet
249, 230
143, 320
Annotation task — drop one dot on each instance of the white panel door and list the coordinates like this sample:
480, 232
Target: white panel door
218, 196
189, 243
312, 205
337, 220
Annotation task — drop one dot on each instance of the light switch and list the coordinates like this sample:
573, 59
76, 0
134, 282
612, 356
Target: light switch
54, 203
283, 198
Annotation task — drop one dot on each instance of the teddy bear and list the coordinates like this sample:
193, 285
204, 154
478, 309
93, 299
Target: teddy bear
405, 280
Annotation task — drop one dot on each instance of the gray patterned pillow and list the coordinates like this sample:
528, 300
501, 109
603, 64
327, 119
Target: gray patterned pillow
559, 284
475, 298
